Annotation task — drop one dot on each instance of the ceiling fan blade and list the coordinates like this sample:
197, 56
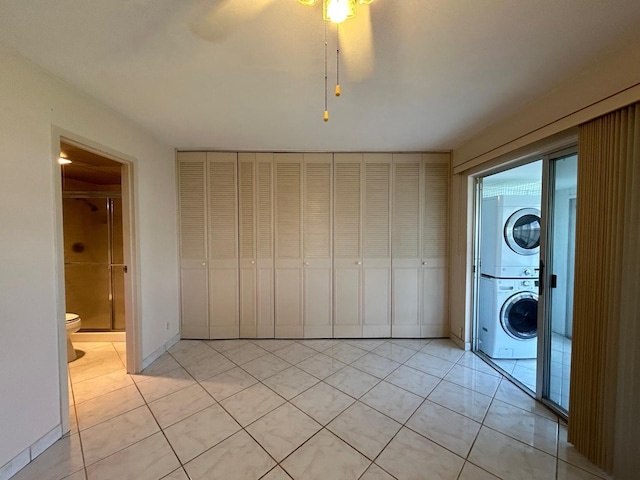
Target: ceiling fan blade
224, 18
356, 43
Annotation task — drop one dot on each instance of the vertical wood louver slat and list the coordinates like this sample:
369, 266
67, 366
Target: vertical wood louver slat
247, 214
192, 210
436, 215
347, 210
288, 214
376, 210
223, 216
264, 210
406, 211
317, 211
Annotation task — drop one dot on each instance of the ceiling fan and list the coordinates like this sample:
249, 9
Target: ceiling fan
352, 17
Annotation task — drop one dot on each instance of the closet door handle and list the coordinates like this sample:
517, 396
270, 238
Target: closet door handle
253, 262
358, 263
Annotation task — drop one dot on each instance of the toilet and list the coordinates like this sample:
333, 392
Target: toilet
73, 325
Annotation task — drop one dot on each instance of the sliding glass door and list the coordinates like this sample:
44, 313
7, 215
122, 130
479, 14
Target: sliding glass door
556, 285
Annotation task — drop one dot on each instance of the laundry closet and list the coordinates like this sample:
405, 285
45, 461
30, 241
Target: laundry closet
313, 245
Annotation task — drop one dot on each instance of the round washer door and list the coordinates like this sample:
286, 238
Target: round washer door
519, 316
522, 231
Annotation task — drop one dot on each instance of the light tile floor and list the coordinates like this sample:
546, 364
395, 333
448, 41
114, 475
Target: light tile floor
524, 370
308, 409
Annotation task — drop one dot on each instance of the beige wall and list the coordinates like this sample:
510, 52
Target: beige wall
550, 122
32, 103
610, 83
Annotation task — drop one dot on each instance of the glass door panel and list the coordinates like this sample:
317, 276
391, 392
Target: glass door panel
560, 276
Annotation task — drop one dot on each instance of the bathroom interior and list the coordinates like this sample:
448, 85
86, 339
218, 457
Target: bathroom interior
93, 248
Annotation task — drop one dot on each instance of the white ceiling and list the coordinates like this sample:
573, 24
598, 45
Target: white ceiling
444, 69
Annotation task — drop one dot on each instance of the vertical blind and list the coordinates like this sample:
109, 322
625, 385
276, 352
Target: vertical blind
607, 289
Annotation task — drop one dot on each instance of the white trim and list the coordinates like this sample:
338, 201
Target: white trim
466, 346
16, 464
30, 453
154, 356
46, 441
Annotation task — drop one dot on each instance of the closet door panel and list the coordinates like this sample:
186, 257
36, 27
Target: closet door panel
348, 299
247, 244
288, 276
194, 301
435, 241
317, 247
248, 297
223, 302
224, 285
377, 245
264, 241
265, 306
434, 303
406, 245
192, 204
348, 245
377, 299
317, 300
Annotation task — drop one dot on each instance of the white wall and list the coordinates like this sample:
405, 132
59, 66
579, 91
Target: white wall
31, 102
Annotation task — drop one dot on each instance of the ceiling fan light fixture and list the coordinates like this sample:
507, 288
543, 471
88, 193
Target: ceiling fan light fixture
337, 11
308, 3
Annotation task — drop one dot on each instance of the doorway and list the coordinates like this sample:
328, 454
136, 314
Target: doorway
525, 238
93, 242
509, 224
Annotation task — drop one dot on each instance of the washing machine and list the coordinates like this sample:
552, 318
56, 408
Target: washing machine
510, 236
508, 317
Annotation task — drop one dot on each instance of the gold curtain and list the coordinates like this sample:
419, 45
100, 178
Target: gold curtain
607, 236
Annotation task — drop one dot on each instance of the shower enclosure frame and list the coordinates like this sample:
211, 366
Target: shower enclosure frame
108, 196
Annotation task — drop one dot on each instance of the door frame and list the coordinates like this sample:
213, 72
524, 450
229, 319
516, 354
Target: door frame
130, 250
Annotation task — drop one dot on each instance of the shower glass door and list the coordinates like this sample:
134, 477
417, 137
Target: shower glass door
94, 271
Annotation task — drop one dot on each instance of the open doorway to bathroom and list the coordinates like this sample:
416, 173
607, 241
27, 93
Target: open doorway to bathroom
95, 267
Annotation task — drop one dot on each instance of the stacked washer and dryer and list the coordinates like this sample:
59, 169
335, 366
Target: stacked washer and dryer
509, 255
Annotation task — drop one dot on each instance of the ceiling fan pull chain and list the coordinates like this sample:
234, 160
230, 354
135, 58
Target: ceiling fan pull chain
338, 60
326, 109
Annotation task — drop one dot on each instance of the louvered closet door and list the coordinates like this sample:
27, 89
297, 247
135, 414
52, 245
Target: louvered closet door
317, 246
348, 246
193, 245
264, 245
435, 240
288, 265
406, 245
376, 228
247, 242
255, 203
223, 245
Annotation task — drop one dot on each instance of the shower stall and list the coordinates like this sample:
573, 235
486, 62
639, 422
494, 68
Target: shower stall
93, 259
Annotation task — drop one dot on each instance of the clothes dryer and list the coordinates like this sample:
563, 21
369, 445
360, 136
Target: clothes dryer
507, 318
510, 236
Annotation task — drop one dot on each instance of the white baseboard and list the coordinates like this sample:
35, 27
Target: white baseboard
29, 454
154, 356
466, 346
